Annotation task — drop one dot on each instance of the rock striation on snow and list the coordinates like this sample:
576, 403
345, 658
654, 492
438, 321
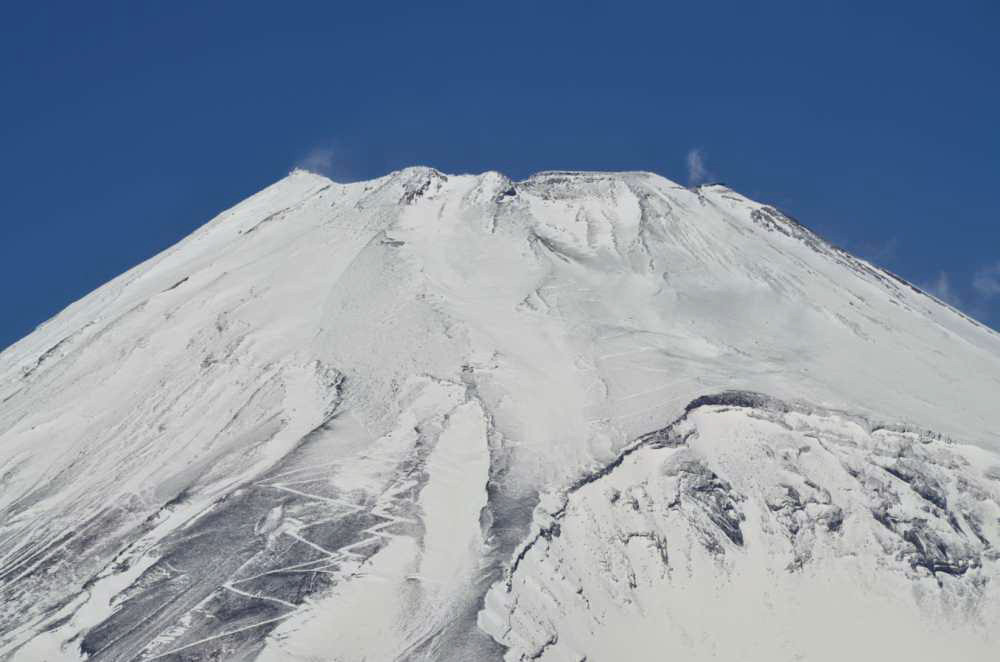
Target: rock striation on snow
454, 417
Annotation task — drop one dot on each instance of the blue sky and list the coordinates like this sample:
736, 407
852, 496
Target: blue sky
126, 125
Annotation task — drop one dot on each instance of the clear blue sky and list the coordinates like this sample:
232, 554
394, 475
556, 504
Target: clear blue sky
125, 125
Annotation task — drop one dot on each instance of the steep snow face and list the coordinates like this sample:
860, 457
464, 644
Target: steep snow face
319, 426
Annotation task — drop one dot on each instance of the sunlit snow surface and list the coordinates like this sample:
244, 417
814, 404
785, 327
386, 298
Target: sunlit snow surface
410, 418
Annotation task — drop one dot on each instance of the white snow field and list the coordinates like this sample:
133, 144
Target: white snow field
583, 416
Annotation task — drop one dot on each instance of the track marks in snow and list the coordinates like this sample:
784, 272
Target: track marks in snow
257, 596
315, 497
218, 636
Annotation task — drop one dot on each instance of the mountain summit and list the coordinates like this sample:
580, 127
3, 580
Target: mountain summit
583, 416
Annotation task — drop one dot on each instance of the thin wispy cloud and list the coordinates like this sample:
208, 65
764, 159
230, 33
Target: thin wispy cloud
697, 168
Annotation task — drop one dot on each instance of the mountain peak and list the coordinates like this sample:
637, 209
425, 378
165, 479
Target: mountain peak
469, 418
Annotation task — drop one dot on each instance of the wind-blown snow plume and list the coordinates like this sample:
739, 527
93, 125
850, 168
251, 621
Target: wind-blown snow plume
319, 160
942, 288
697, 171
987, 281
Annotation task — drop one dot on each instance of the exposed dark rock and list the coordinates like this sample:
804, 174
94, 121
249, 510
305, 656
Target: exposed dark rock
748, 399
924, 484
935, 553
715, 496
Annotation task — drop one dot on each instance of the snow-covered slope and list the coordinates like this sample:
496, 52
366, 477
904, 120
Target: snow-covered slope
410, 418
751, 530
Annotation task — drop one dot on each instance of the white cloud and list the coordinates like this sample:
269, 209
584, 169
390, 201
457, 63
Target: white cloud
987, 281
697, 170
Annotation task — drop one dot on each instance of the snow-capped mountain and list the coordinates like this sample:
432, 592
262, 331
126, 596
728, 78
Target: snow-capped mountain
583, 416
